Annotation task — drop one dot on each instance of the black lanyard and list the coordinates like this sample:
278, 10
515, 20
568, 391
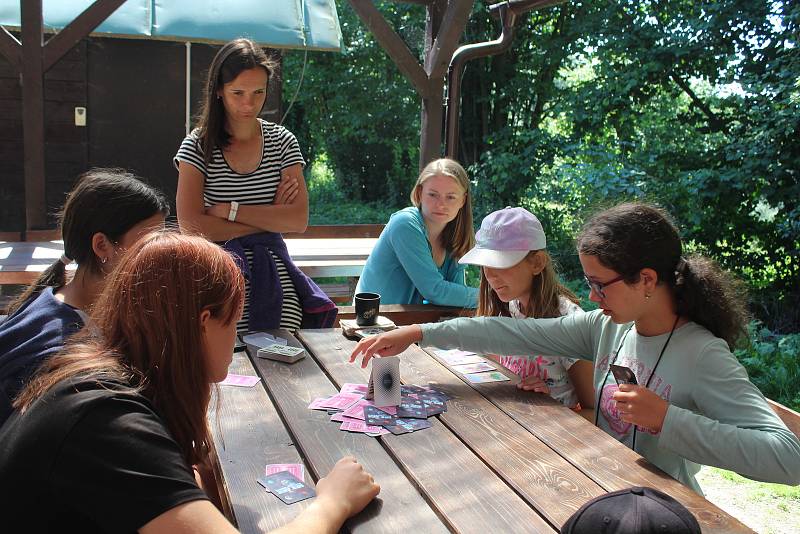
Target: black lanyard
649, 378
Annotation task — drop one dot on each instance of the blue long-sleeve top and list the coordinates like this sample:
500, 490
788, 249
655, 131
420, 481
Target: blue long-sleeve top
401, 267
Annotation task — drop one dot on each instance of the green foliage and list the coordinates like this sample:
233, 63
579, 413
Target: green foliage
773, 363
358, 109
691, 104
330, 203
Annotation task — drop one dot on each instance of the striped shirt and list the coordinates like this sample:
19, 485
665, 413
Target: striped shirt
223, 184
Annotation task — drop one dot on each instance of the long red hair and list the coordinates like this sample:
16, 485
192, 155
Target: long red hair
145, 332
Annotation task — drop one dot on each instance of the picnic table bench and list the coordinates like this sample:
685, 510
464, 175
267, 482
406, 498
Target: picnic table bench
325, 251
498, 460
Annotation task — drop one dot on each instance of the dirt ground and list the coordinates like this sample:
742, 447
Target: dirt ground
765, 508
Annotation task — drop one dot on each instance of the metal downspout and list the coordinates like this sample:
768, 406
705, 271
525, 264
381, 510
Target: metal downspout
456, 69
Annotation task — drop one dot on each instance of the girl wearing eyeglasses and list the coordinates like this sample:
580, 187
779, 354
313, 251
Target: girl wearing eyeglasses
416, 257
667, 321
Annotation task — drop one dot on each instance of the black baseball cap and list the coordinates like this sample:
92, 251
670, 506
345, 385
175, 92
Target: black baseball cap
632, 511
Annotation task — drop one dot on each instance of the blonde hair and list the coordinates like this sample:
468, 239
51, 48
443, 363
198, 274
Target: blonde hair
544, 299
458, 236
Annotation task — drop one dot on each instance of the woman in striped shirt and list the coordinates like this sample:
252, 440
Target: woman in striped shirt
240, 182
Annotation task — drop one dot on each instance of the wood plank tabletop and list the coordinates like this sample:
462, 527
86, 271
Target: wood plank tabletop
498, 460
248, 435
399, 507
602, 458
455, 481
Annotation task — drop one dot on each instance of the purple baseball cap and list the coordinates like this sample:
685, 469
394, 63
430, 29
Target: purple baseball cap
505, 238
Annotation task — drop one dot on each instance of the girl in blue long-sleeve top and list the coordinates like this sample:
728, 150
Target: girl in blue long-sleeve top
416, 257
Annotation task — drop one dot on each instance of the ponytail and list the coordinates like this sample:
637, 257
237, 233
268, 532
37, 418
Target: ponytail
712, 297
54, 276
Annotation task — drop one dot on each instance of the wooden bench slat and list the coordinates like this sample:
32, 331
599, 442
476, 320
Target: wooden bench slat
292, 387
456, 482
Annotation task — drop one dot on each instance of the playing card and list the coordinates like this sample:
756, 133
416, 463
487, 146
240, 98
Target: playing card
623, 375
356, 411
286, 487
317, 404
341, 418
471, 368
376, 417
245, 381
458, 357
433, 404
403, 426
386, 380
341, 401
481, 378
368, 332
297, 470
412, 408
360, 389
359, 426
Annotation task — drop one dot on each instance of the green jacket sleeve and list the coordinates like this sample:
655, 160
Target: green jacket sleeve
574, 335
737, 430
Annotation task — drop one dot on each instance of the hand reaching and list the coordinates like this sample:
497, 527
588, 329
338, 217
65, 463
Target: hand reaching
389, 343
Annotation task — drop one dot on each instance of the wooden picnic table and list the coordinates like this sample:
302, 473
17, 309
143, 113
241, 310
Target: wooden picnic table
22, 261
499, 459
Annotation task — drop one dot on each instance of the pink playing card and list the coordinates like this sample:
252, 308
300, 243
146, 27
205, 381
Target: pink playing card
341, 401
245, 381
316, 404
359, 389
296, 469
358, 426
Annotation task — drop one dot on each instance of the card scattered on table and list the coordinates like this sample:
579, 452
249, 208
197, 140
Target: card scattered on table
341, 401
458, 356
404, 426
243, 381
482, 378
472, 368
297, 470
286, 487
354, 413
377, 417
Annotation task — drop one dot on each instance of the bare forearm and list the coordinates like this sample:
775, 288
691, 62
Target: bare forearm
319, 518
214, 228
274, 217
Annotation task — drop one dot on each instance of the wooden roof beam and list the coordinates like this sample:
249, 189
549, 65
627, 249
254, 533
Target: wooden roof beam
392, 43
80, 27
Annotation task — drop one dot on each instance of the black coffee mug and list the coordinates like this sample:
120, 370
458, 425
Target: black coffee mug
367, 308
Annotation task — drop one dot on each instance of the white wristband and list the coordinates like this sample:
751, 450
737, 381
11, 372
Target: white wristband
233, 211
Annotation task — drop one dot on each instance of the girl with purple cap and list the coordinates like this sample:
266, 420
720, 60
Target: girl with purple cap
668, 385
518, 279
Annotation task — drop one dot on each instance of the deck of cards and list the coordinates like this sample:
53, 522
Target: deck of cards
282, 353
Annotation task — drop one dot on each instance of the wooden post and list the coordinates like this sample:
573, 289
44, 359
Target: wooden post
33, 113
446, 20
36, 57
430, 135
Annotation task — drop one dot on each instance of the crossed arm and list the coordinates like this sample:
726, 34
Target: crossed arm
288, 213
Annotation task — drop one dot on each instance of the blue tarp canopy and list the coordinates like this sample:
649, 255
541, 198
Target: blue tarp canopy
303, 24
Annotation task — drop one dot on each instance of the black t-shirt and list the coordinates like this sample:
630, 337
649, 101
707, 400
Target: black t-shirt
89, 457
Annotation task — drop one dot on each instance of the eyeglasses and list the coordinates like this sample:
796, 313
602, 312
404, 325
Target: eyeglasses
599, 286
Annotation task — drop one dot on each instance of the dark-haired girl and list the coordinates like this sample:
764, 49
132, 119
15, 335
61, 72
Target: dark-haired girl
672, 321
106, 212
240, 182
105, 436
